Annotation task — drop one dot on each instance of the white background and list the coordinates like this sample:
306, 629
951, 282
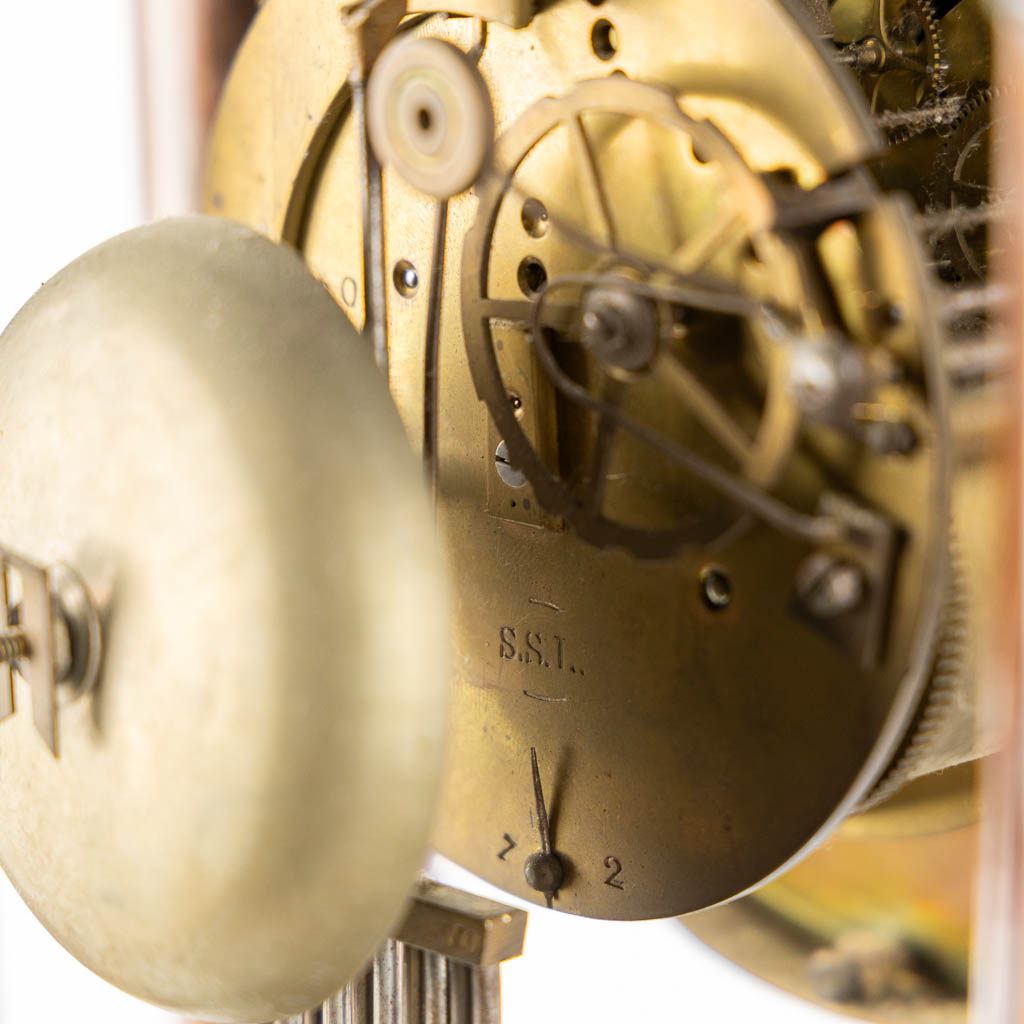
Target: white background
70, 176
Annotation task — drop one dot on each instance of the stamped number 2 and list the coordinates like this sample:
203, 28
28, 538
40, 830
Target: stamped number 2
616, 870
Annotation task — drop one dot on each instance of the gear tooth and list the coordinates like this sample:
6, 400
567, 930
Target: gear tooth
964, 261
939, 68
944, 693
931, 50
898, 135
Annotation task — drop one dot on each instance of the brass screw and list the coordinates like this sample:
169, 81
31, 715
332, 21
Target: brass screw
13, 645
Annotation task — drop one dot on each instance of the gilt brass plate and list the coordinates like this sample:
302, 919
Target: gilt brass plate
685, 753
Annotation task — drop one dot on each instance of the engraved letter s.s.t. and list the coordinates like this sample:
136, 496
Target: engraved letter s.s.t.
507, 650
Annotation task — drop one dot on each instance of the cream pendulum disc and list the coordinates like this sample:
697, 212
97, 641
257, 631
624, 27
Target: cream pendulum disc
429, 115
229, 820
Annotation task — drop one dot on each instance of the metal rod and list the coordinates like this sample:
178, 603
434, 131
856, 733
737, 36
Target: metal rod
433, 343
459, 993
387, 984
857, 55
486, 995
374, 276
936, 114
978, 358
412, 967
977, 299
435, 989
961, 218
357, 1004
333, 1009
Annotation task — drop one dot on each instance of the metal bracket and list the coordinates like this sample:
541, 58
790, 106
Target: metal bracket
51, 637
440, 967
373, 24
852, 617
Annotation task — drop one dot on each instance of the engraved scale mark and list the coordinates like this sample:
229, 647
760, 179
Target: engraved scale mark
547, 700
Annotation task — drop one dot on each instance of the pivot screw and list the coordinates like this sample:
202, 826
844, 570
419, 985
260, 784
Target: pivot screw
827, 377
829, 587
508, 473
544, 872
620, 327
406, 279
